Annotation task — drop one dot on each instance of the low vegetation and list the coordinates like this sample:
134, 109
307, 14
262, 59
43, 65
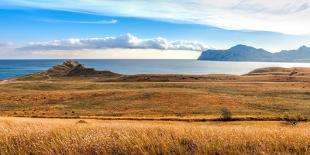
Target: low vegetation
72, 90
226, 114
65, 136
160, 99
294, 118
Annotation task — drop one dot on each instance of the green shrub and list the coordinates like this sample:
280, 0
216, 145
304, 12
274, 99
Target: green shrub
226, 114
294, 118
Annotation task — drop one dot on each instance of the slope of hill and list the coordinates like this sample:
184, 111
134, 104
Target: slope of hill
298, 71
262, 93
69, 69
72, 90
247, 53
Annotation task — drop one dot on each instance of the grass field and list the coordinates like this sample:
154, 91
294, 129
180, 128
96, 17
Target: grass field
155, 114
153, 99
71, 136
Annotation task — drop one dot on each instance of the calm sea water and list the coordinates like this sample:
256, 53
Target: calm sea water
15, 68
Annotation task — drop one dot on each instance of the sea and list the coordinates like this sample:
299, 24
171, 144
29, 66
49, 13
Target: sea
16, 68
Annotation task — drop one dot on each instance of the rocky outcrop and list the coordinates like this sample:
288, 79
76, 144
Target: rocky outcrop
74, 68
66, 69
69, 69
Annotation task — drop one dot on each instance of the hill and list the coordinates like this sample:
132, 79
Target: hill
262, 93
248, 53
72, 70
296, 71
69, 70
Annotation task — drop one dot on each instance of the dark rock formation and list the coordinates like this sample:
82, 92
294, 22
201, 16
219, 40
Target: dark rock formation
69, 69
74, 68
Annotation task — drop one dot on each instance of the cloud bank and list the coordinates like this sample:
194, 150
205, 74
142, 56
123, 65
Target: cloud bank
128, 41
5, 44
114, 54
283, 16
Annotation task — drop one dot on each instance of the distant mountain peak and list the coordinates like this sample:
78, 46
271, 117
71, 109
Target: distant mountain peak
242, 52
303, 47
241, 47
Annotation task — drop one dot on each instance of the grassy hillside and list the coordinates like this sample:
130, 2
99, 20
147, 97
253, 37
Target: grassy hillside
200, 99
72, 90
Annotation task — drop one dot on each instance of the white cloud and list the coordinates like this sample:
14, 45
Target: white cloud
114, 54
7, 50
2, 44
284, 16
7, 46
125, 42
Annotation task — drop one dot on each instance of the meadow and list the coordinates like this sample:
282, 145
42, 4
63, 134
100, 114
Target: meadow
153, 99
70, 109
74, 136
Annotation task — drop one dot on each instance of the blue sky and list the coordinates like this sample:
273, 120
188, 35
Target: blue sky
43, 27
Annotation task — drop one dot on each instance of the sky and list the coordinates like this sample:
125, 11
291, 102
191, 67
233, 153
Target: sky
145, 29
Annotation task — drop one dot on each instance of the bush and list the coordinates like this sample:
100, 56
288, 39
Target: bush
226, 114
81, 122
189, 145
293, 118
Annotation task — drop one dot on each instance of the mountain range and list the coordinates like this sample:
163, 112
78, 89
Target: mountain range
248, 53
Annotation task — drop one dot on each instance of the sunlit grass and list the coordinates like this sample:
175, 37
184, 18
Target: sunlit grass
152, 99
59, 136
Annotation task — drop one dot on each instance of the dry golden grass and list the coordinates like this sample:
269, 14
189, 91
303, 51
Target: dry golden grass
59, 136
194, 98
